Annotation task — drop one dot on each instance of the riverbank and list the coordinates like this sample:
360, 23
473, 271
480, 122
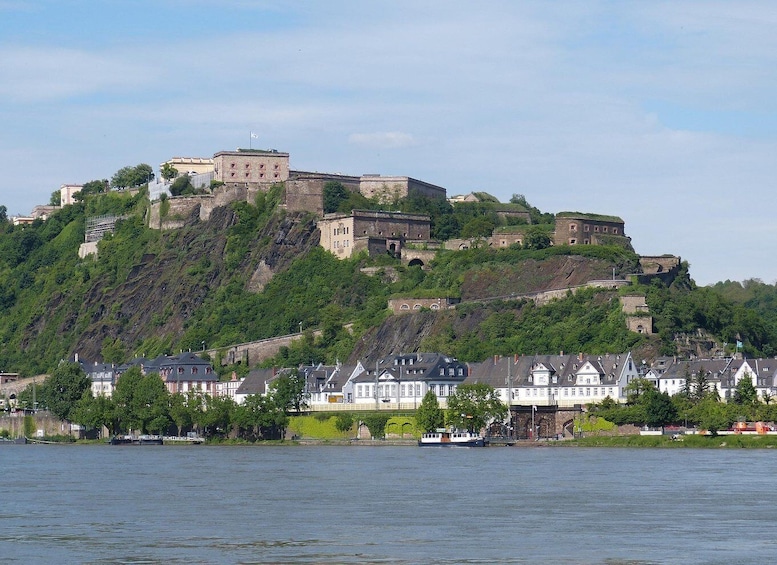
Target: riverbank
683, 441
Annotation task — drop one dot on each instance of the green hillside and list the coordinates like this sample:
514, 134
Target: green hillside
254, 271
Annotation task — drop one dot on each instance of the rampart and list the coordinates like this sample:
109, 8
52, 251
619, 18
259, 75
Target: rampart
253, 352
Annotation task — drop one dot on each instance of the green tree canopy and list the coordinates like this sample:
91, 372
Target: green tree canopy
334, 193
168, 171
745, 393
473, 406
429, 415
181, 186
536, 238
130, 177
659, 409
64, 388
141, 401
288, 391
636, 388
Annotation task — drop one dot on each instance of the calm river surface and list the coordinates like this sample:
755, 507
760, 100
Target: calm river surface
201, 504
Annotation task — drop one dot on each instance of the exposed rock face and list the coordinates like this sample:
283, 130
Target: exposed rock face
164, 289
533, 276
262, 275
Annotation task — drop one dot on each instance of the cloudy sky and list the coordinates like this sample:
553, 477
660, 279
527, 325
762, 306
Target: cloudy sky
662, 113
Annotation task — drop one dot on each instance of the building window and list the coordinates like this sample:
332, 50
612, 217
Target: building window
615, 230
442, 372
572, 241
604, 229
572, 227
596, 229
586, 228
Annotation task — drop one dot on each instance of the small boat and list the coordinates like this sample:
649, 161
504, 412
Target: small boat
16, 441
137, 440
451, 438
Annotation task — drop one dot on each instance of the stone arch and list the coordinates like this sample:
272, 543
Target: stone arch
545, 427
569, 428
415, 263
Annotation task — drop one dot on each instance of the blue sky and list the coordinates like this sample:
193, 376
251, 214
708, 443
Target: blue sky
662, 113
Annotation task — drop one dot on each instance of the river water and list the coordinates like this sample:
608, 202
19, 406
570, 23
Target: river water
303, 504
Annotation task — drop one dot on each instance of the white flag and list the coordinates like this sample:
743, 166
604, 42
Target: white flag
254, 136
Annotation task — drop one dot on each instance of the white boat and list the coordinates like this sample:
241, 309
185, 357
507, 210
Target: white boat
448, 438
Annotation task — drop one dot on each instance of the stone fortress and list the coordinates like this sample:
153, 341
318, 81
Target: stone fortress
241, 174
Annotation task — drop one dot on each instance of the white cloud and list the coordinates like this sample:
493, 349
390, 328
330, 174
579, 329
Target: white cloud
383, 140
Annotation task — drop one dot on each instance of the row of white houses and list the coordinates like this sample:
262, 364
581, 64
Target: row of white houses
401, 381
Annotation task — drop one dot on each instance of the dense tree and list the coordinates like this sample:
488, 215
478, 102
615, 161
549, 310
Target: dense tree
745, 393
376, 423
180, 411
473, 406
537, 238
334, 194
182, 186
92, 187
130, 177
344, 422
636, 389
95, 412
711, 415
168, 172
429, 415
3, 213
141, 401
480, 226
288, 391
659, 409
215, 415
262, 416
64, 388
